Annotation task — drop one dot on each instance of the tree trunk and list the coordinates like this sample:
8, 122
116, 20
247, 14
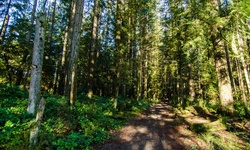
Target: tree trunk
243, 62
62, 80
37, 64
55, 80
8, 68
73, 45
118, 49
39, 116
5, 24
240, 63
229, 68
140, 76
52, 19
35, 81
241, 83
145, 69
224, 83
26, 51
222, 70
94, 46
191, 84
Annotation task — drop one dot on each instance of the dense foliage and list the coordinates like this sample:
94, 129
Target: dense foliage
87, 123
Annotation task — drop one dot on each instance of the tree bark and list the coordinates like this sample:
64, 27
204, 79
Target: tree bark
94, 46
224, 83
241, 83
39, 116
51, 30
222, 70
26, 51
243, 62
73, 46
37, 64
5, 24
62, 79
118, 49
191, 83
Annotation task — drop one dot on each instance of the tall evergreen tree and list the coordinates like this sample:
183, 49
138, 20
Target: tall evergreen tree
73, 46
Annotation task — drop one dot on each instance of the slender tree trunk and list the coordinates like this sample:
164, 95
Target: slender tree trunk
118, 49
134, 50
229, 67
55, 80
52, 19
241, 83
238, 50
2, 36
8, 68
146, 58
180, 77
73, 45
145, 84
62, 80
52, 85
140, 73
32, 20
191, 84
199, 75
94, 46
243, 62
5, 24
26, 51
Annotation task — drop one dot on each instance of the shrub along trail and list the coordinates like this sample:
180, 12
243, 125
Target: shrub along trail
162, 127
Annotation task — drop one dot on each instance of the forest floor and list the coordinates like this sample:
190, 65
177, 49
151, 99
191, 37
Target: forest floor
164, 127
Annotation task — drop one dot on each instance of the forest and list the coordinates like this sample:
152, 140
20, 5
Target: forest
72, 72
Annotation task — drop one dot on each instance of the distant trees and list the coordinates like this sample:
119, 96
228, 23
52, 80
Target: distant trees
186, 51
199, 36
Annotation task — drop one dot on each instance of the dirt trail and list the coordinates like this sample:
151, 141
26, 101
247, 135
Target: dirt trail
159, 128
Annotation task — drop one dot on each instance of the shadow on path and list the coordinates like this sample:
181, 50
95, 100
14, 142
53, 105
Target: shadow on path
157, 129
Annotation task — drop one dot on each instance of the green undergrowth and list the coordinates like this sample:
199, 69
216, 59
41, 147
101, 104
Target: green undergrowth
81, 126
220, 131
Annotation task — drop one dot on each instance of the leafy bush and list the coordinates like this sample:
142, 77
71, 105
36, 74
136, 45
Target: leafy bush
72, 141
10, 95
240, 110
14, 121
63, 127
199, 128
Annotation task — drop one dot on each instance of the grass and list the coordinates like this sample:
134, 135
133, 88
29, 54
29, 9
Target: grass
216, 142
219, 132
